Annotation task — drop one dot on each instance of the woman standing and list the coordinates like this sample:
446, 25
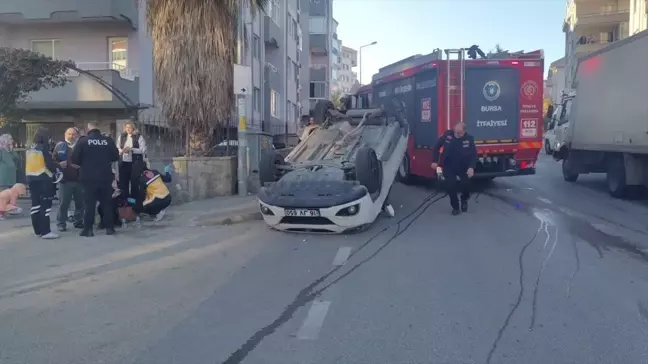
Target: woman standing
7, 162
132, 149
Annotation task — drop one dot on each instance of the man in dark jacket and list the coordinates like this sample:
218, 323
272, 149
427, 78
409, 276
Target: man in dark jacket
458, 160
96, 153
69, 188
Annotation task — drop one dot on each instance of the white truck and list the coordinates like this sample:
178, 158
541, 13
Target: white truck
607, 128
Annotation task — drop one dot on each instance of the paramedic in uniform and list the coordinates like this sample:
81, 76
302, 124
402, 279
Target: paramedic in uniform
458, 161
96, 153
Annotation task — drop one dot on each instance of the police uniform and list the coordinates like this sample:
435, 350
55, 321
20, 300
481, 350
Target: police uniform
154, 196
459, 154
39, 170
95, 153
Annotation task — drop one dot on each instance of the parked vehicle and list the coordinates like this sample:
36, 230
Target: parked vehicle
607, 129
339, 176
500, 100
558, 124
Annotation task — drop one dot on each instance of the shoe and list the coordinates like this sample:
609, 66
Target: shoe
78, 225
87, 233
50, 235
464, 206
160, 215
61, 228
110, 231
455, 212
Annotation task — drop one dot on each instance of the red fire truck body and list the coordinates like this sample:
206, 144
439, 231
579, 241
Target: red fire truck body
500, 100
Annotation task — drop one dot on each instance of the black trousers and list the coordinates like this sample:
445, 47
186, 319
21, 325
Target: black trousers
125, 178
454, 187
101, 192
42, 193
115, 212
154, 207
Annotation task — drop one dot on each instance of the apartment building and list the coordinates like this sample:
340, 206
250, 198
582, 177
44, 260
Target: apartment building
336, 59
638, 16
590, 25
347, 79
321, 30
555, 81
103, 37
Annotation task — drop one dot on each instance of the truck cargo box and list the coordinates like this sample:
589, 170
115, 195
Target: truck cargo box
610, 111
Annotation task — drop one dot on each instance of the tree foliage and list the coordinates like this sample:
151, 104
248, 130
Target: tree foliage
23, 72
336, 99
194, 49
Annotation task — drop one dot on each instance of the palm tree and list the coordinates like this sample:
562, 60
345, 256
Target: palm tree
194, 48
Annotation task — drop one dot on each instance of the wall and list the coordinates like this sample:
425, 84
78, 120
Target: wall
304, 71
638, 16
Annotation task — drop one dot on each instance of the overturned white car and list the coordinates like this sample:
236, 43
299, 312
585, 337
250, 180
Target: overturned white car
338, 177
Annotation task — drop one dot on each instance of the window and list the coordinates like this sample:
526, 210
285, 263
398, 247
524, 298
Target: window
289, 72
49, 48
289, 112
318, 90
290, 25
295, 70
317, 25
296, 111
273, 11
299, 39
256, 47
118, 53
274, 103
296, 29
256, 99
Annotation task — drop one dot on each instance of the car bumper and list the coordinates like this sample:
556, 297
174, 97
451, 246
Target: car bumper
331, 220
509, 173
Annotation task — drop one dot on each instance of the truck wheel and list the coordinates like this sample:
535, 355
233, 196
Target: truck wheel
547, 147
567, 170
403, 176
368, 169
268, 171
616, 177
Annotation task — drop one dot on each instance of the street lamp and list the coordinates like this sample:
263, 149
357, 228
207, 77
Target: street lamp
360, 56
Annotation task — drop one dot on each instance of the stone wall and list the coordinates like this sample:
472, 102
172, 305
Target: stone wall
199, 178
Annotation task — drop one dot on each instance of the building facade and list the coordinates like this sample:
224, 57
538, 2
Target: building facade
109, 39
347, 77
590, 25
638, 16
321, 30
555, 81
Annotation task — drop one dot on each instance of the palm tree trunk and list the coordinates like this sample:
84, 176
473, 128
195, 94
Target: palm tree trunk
200, 142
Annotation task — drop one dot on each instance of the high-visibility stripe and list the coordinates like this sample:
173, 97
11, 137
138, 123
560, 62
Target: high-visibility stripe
530, 145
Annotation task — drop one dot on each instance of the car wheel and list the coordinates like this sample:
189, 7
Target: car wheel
403, 176
567, 171
616, 177
268, 171
368, 169
547, 147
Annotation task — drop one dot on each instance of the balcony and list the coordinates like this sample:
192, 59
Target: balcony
66, 11
607, 15
319, 44
84, 92
272, 32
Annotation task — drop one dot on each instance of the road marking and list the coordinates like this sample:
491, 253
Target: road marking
313, 324
545, 200
342, 255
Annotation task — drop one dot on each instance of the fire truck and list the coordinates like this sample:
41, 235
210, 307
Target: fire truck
499, 98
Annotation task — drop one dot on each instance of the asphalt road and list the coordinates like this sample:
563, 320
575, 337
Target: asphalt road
538, 271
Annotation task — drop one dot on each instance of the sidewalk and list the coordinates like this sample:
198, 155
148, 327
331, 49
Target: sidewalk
215, 211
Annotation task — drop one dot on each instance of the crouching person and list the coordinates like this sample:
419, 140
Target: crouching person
154, 196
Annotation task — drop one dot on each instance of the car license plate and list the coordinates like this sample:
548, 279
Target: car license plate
302, 212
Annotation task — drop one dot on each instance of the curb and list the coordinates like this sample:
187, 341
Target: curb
229, 217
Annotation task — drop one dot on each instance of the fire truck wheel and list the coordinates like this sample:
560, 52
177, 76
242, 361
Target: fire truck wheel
368, 169
404, 175
268, 171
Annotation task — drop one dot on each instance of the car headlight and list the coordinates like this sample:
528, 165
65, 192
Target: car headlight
349, 210
266, 210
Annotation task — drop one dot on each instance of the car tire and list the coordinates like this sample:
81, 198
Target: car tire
616, 177
268, 171
547, 147
567, 171
368, 169
404, 175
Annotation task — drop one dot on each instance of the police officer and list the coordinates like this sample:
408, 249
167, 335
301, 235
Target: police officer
458, 160
96, 153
